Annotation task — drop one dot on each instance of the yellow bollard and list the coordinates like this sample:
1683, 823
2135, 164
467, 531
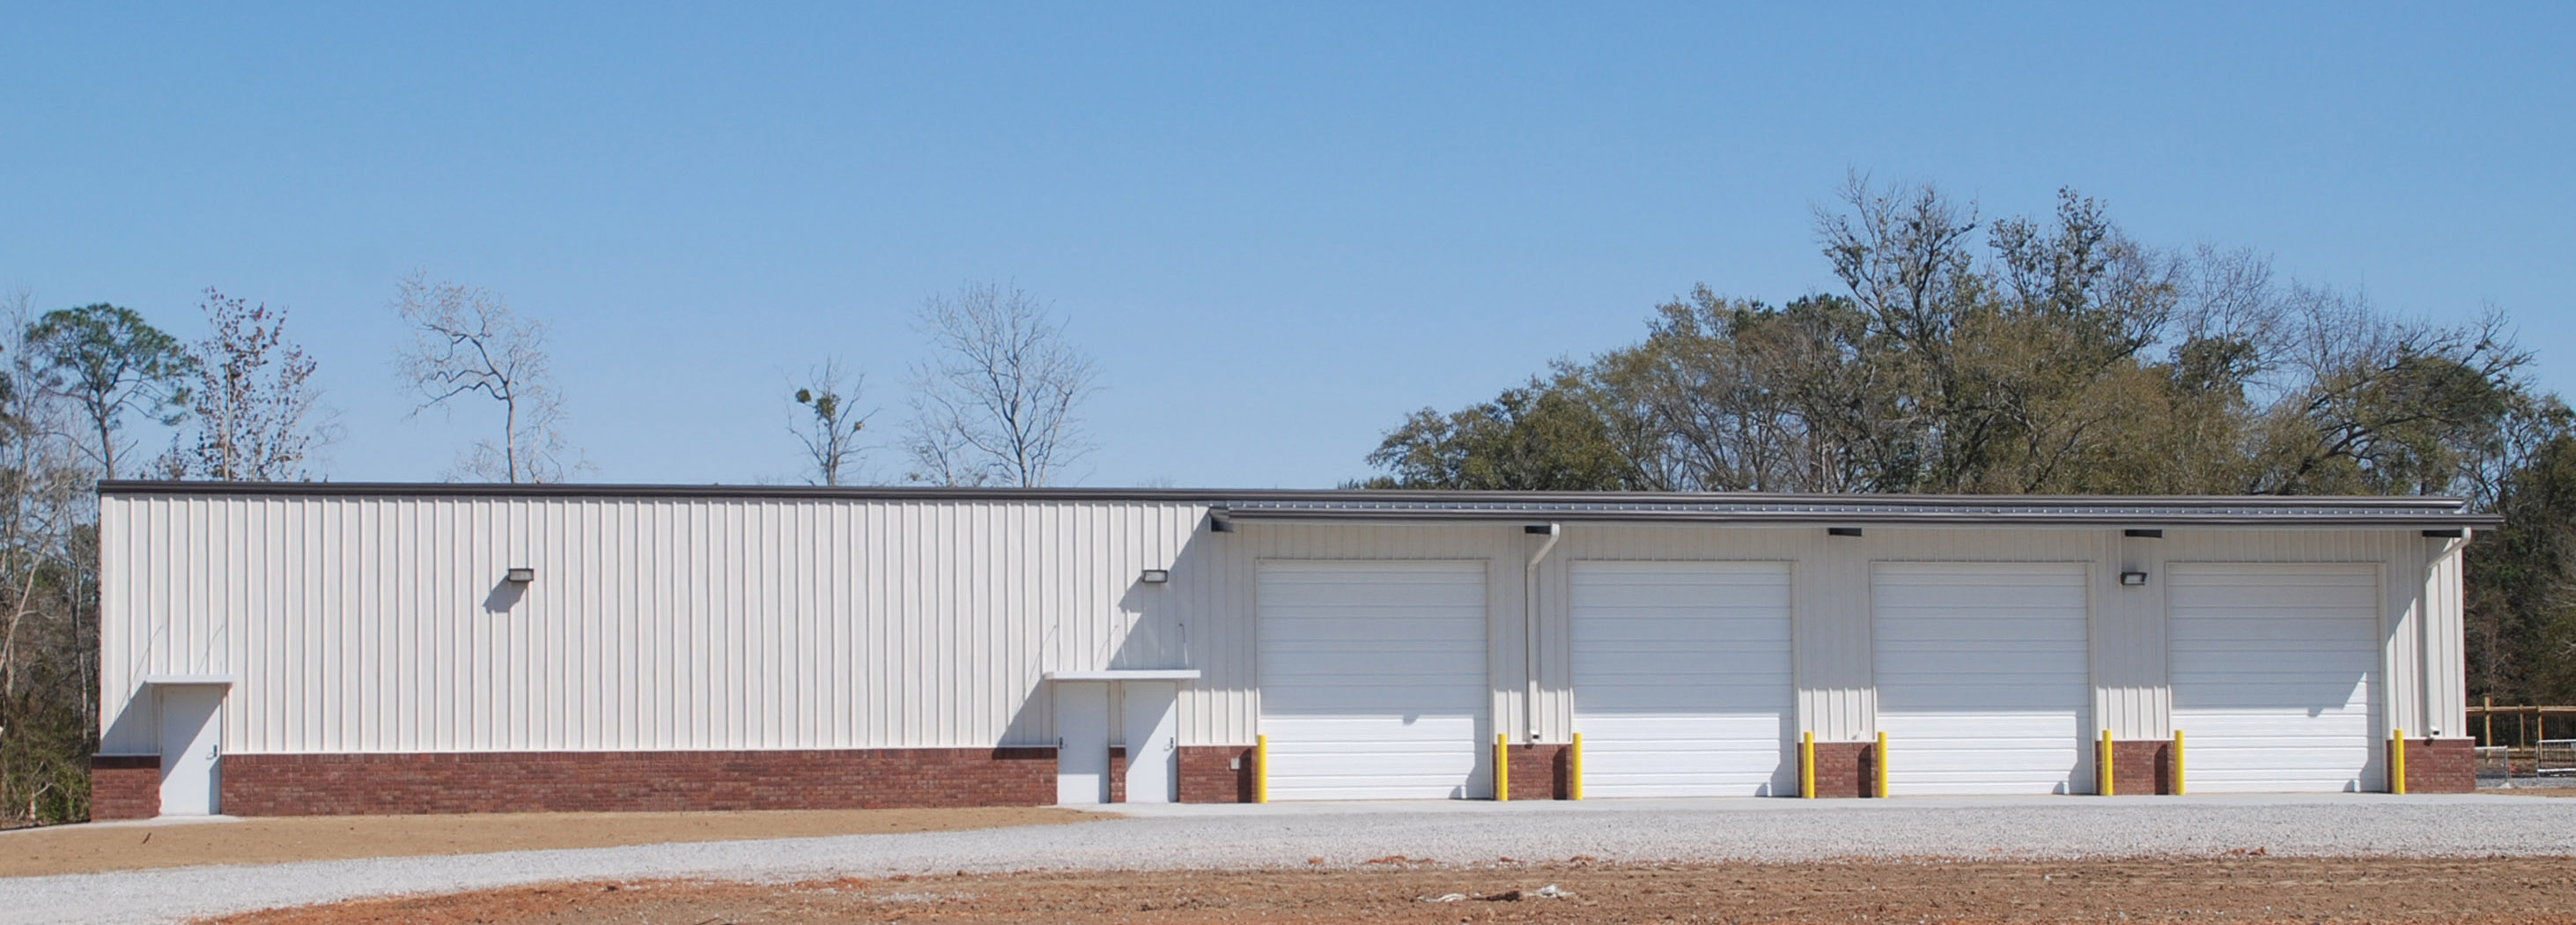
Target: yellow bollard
2397, 761
1502, 767
1879, 758
1261, 769
2102, 779
1574, 769
1807, 766
2177, 761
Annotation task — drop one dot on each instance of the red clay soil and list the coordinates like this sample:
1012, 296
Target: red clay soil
2248, 889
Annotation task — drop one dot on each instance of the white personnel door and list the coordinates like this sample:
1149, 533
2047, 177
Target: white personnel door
1983, 680
1082, 728
2274, 669
1153, 744
1682, 678
1373, 681
191, 736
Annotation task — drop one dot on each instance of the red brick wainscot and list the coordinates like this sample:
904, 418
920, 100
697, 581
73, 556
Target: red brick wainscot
1542, 772
124, 787
2142, 767
1845, 769
1216, 773
2440, 766
488, 782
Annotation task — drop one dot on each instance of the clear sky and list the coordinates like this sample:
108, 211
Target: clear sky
1278, 228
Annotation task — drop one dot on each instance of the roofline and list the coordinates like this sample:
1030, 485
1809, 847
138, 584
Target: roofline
1825, 518
1346, 504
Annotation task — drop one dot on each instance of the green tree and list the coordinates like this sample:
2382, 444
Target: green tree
2521, 631
111, 362
1539, 437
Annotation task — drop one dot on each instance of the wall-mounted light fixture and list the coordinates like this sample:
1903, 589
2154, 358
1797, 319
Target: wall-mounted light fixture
2133, 579
1155, 576
520, 575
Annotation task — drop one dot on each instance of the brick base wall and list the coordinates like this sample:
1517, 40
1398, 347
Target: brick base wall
1117, 774
1216, 773
306, 785
1845, 769
2437, 766
124, 787
1541, 772
2142, 767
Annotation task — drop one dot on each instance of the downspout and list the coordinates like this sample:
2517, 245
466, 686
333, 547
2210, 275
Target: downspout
1529, 624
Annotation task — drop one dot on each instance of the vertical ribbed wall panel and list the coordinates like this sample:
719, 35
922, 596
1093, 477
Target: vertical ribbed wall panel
2446, 699
382, 623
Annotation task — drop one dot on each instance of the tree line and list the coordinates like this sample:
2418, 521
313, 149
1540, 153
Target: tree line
2056, 355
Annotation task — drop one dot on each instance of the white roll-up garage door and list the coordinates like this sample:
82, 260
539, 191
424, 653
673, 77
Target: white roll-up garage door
2273, 670
1373, 680
1682, 677
1983, 682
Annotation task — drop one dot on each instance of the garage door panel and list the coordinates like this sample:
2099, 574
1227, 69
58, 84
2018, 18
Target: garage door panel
1329, 731
2288, 698
1373, 679
1957, 633
1658, 699
2252, 627
1982, 675
1682, 677
2273, 669
1415, 665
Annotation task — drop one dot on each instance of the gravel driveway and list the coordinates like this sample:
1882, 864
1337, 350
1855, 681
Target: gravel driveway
1463, 832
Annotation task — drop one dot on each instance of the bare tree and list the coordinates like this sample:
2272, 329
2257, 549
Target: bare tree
466, 340
830, 423
997, 406
258, 415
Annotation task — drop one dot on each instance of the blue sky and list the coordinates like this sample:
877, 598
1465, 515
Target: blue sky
1277, 229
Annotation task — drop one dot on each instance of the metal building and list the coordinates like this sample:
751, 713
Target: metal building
312, 648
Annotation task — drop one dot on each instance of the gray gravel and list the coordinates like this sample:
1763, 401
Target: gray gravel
1465, 833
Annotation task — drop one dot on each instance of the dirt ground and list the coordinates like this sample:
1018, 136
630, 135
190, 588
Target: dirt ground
2244, 889
89, 848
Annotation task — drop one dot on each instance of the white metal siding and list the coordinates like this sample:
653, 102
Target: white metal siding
2272, 675
1373, 679
1682, 677
381, 624
1981, 676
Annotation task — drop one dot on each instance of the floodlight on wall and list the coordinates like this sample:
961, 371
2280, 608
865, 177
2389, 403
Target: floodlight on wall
1155, 576
2133, 579
520, 575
